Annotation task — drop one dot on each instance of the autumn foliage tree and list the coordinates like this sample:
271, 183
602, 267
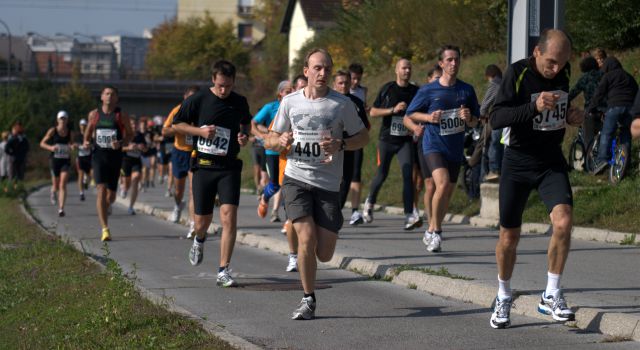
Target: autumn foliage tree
186, 50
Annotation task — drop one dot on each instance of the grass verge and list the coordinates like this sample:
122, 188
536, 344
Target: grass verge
51, 296
441, 271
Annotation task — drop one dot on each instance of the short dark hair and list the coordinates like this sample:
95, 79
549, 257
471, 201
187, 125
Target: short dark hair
316, 50
445, 48
298, 77
588, 64
342, 73
192, 89
599, 52
104, 87
544, 38
433, 70
356, 68
492, 71
223, 67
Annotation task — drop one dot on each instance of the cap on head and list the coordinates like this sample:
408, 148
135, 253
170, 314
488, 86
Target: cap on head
83, 121
62, 114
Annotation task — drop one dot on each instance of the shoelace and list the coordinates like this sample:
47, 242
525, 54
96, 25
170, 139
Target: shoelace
503, 308
560, 303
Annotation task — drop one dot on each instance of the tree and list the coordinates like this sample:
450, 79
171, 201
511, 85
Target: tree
612, 24
186, 50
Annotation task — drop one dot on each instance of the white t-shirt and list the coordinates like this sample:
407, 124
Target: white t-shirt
310, 121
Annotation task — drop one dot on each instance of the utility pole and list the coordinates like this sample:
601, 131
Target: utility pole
6, 91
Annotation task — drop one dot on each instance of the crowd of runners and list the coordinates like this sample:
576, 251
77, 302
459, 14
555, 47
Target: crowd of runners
307, 152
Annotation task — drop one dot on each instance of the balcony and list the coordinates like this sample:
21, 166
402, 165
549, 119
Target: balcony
245, 11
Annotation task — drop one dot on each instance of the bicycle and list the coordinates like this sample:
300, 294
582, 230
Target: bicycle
618, 161
577, 158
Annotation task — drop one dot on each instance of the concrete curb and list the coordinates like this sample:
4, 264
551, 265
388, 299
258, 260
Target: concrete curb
155, 298
618, 325
582, 233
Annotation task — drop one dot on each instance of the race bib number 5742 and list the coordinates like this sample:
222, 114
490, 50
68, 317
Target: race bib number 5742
556, 119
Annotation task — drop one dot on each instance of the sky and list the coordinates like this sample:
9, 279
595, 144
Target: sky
89, 17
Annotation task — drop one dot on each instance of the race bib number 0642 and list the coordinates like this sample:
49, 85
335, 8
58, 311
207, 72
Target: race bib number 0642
556, 119
306, 146
218, 145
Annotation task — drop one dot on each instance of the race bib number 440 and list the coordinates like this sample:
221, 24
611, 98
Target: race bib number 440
104, 137
556, 119
306, 146
397, 127
450, 122
218, 145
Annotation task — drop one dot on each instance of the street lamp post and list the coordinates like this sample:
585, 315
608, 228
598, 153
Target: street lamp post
6, 93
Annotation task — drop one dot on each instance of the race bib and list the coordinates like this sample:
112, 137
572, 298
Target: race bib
62, 151
397, 127
104, 137
552, 120
450, 122
188, 140
84, 151
218, 145
134, 153
306, 146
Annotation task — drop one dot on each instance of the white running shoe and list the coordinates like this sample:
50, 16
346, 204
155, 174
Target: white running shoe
435, 244
306, 310
192, 230
225, 280
356, 219
367, 211
500, 318
426, 239
196, 252
412, 221
176, 213
556, 307
293, 263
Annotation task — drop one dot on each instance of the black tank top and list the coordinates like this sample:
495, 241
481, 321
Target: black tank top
107, 130
62, 144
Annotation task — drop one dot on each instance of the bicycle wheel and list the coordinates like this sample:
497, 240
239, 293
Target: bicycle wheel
592, 154
577, 155
620, 160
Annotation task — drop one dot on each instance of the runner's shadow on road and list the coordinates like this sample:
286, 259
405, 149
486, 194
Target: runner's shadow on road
415, 312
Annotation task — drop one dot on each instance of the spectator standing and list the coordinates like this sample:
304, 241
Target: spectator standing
17, 148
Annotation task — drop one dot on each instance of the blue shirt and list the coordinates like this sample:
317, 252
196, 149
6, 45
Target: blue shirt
433, 97
265, 116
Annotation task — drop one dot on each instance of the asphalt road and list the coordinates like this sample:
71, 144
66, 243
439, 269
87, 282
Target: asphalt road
353, 311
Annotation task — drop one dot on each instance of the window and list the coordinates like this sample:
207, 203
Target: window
245, 32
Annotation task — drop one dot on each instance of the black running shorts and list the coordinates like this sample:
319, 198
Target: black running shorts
131, 165
358, 158
84, 163
58, 166
106, 167
437, 160
207, 183
520, 176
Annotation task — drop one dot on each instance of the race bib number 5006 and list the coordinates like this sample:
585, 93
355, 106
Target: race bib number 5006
450, 122
556, 119
306, 146
218, 145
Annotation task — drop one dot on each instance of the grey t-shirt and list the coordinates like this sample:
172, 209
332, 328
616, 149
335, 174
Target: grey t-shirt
311, 121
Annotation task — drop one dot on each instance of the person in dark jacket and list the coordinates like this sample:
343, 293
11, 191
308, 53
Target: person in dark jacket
635, 113
587, 85
619, 88
17, 148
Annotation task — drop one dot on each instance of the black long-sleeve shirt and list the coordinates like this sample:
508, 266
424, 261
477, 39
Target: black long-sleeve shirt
515, 107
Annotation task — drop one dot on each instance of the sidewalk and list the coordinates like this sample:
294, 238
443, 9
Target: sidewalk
601, 280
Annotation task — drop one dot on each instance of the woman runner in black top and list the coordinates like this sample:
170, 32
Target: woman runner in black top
57, 140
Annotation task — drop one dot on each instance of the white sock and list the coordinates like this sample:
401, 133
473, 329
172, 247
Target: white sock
553, 284
504, 289
416, 212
